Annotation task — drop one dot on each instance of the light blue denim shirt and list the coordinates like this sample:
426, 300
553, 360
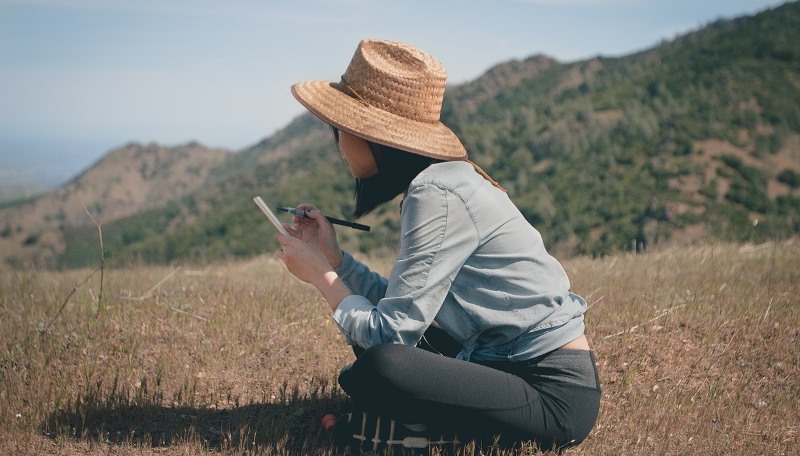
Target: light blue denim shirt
469, 263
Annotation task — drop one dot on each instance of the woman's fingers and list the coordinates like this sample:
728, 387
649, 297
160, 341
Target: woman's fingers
315, 229
313, 213
307, 207
294, 230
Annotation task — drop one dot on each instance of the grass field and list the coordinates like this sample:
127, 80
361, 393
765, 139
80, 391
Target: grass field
698, 350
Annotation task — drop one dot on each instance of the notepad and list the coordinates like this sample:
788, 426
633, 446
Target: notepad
266, 210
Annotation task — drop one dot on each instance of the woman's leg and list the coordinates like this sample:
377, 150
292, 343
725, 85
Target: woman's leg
413, 385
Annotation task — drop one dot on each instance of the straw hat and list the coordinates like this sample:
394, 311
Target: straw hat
391, 94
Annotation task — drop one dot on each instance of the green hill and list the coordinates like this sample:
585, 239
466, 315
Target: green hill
694, 131
696, 138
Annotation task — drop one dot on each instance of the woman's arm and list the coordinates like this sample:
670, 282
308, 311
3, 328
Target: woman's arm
312, 254
361, 280
437, 236
317, 231
309, 264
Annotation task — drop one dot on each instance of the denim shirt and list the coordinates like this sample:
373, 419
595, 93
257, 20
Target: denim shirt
469, 263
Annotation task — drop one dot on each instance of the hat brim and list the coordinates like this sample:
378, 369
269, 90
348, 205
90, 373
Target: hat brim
325, 100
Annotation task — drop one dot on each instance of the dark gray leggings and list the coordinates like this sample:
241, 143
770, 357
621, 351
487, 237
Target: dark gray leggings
552, 400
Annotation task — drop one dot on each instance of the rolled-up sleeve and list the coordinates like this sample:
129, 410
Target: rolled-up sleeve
437, 236
361, 280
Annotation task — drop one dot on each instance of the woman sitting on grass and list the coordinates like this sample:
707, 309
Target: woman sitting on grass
474, 334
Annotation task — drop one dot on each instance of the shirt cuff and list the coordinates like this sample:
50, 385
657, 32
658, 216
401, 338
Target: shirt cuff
351, 309
347, 267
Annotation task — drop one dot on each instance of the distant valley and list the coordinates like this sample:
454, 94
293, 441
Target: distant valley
30, 166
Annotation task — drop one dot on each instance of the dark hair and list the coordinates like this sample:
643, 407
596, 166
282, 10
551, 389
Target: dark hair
396, 169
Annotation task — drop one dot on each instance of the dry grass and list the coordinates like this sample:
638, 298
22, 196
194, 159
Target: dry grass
697, 347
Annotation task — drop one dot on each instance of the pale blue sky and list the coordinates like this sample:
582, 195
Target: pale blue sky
101, 73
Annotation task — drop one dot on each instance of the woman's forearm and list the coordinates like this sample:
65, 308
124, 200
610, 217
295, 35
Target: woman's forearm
332, 288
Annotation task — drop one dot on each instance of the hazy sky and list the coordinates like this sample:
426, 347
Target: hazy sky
102, 73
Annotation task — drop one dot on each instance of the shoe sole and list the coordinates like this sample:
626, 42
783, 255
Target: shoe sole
378, 438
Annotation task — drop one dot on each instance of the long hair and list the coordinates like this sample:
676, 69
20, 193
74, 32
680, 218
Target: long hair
396, 170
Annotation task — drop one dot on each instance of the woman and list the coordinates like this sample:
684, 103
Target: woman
474, 334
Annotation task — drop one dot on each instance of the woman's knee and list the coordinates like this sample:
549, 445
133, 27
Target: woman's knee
369, 369
381, 367
383, 360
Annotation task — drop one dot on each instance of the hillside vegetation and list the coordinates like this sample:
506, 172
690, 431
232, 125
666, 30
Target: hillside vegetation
695, 139
699, 131
125, 182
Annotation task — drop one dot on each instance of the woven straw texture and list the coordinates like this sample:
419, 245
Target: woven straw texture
391, 93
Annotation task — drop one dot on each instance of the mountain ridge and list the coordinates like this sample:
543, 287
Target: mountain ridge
696, 138
123, 182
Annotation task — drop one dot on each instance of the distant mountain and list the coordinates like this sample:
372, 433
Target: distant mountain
695, 139
125, 182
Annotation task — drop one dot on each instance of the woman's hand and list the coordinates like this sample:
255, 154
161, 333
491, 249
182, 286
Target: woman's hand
309, 264
318, 231
303, 259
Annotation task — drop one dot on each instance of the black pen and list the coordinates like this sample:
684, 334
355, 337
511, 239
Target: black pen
335, 221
